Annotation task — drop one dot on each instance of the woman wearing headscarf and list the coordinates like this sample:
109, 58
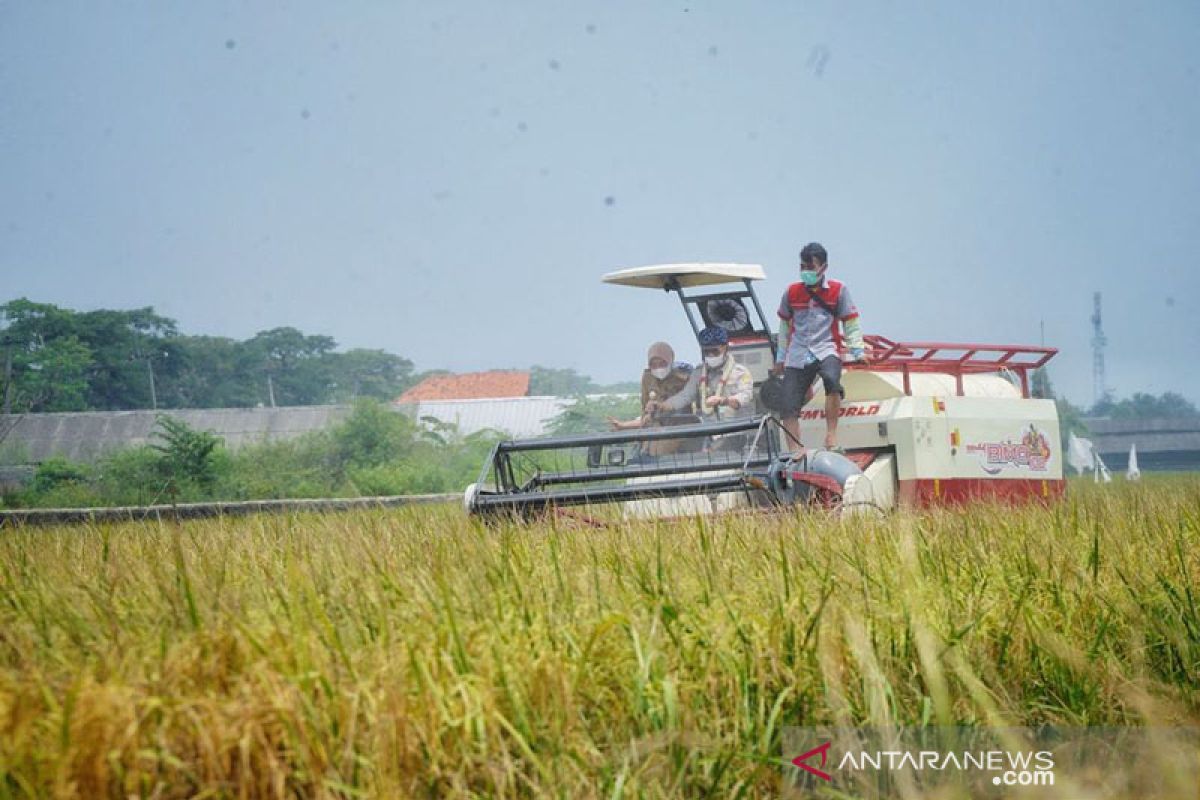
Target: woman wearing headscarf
662, 378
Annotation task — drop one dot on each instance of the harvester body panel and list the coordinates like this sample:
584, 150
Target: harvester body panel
950, 448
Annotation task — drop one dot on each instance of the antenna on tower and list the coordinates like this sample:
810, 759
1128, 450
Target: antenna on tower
1099, 385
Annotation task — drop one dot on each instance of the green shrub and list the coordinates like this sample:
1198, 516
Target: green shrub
373, 435
57, 483
380, 480
376, 451
65, 495
187, 456
591, 414
57, 471
132, 476
297, 468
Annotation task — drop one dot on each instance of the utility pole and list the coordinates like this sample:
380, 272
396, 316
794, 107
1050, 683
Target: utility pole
1099, 384
7, 380
153, 394
270, 390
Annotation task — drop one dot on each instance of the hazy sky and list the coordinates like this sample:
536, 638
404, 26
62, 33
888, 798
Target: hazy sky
448, 181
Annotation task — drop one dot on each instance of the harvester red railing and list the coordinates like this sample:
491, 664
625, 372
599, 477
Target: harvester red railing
952, 358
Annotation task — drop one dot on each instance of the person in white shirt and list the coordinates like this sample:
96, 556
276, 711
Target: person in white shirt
721, 388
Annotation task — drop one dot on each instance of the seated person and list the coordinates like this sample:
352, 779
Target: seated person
661, 379
722, 388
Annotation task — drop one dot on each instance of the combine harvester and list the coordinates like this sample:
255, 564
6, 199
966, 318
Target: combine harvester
922, 424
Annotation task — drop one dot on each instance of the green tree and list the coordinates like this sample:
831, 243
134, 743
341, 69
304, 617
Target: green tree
1039, 384
295, 365
187, 455
25, 321
368, 373
119, 344
590, 414
372, 435
1146, 406
211, 372
1171, 404
1070, 417
44, 363
1070, 420
138, 359
55, 376
558, 382
126, 345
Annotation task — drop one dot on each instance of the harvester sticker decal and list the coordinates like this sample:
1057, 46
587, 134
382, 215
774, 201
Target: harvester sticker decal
1031, 453
845, 411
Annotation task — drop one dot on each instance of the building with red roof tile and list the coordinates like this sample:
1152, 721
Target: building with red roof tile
469, 386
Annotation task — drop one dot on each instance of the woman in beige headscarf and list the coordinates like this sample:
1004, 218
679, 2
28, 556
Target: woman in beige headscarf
661, 379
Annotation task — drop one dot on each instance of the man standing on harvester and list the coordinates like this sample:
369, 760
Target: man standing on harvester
809, 341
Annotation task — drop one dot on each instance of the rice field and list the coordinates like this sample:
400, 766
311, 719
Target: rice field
415, 653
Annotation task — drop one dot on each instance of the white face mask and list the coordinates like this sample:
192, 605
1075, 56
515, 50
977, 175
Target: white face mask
661, 373
714, 361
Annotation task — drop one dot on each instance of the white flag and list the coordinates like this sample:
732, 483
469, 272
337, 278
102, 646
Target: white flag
1081, 455
1133, 473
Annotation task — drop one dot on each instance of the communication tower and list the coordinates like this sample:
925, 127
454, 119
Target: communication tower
1099, 385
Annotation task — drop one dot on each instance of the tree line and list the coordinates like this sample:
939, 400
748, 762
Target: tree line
1139, 406
1072, 419
57, 359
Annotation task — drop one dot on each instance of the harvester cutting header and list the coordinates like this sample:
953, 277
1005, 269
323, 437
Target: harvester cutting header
920, 424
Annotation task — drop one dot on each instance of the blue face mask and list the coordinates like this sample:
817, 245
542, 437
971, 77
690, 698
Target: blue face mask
810, 277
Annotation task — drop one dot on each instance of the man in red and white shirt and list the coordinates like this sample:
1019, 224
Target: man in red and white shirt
810, 343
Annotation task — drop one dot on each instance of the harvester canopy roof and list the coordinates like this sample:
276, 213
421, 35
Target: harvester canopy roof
663, 276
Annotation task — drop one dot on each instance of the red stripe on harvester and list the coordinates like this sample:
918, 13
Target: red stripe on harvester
925, 492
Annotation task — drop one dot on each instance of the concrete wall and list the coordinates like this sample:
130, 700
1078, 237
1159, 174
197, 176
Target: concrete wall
85, 436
